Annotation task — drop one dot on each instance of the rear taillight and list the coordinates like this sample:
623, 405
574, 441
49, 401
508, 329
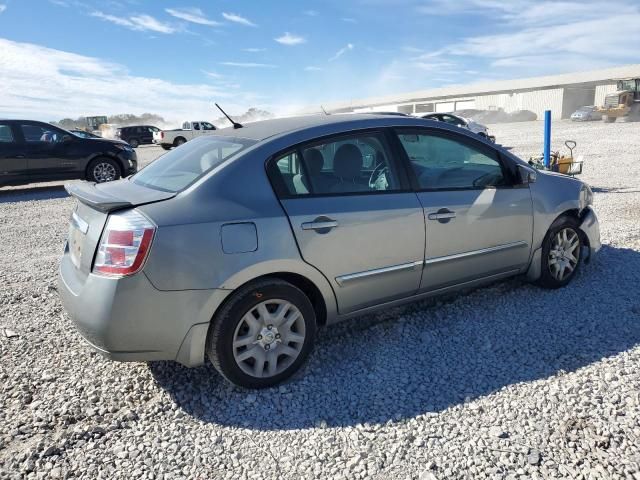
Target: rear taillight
161, 134
124, 244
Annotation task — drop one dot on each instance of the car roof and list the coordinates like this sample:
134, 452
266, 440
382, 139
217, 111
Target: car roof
261, 130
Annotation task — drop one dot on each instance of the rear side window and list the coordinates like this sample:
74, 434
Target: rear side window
176, 170
6, 135
344, 165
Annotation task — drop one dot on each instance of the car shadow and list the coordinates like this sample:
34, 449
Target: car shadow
30, 194
434, 354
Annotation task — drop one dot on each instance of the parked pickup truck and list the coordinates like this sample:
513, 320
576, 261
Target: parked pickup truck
174, 138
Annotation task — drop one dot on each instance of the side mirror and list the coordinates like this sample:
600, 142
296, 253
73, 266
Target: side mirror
67, 139
527, 175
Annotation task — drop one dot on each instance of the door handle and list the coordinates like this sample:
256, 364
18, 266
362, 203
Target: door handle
443, 215
320, 225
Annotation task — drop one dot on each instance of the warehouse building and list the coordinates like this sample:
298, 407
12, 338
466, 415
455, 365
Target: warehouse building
562, 94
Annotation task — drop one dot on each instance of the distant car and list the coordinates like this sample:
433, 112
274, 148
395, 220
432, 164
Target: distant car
585, 114
461, 122
238, 245
136, 135
32, 151
190, 130
83, 133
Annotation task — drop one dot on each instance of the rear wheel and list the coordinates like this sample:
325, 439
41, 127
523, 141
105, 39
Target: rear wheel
103, 170
561, 253
166, 147
263, 334
179, 141
134, 142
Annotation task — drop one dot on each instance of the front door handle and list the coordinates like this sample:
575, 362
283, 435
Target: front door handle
443, 215
320, 225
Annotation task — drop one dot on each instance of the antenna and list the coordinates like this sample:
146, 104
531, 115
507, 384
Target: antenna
325, 112
234, 123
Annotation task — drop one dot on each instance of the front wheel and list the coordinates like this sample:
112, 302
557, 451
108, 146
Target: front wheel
103, 170
179, 141
560, 253
262, 335
134, 143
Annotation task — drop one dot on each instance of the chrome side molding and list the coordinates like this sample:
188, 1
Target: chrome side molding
473, 253
341, 280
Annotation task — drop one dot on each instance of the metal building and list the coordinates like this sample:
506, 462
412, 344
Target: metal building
562, 94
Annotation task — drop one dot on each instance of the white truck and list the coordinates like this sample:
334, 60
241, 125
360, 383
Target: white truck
190, 130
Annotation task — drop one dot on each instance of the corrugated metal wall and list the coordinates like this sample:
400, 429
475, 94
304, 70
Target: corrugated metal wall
536, 101
601, 92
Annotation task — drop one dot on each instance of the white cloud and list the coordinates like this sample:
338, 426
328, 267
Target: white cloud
254, 50
3, 7
193, 15
136, 22
341, 52
311, 13
214, 75
234, 17
247, 65
290, 39
47, 84
349, 20
312, 68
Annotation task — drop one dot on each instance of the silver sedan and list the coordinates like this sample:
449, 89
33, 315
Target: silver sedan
237, 246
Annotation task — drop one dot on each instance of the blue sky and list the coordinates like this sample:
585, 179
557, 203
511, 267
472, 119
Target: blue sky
73, 57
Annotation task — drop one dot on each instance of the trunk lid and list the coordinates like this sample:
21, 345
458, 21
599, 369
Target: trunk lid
95, 202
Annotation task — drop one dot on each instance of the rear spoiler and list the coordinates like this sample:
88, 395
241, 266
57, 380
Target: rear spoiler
88, 194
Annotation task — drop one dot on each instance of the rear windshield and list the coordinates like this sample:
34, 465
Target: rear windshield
179, 168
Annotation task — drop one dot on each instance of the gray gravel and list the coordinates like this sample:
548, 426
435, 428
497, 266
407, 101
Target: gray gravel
508, 381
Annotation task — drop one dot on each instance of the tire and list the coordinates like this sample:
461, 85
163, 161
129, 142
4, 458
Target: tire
556, 243
179, 141
166, 147
103, 169
608, 119
134, 142
250, 363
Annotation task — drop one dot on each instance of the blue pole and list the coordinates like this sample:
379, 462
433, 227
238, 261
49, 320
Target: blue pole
547, 138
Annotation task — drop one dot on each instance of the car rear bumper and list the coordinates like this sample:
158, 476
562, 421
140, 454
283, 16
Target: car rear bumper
128, 319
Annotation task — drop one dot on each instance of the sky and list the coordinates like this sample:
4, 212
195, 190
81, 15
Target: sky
67, 58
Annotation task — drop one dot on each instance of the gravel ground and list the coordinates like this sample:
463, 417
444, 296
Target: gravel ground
508, 381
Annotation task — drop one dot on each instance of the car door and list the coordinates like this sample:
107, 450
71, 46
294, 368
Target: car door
49, 151
13, 160
479, 221
353, 216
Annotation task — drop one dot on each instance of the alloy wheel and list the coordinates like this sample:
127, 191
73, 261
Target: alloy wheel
269, 338
104, 172
564, 254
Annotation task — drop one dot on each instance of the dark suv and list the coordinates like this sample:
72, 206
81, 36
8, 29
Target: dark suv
137, 134
33, 151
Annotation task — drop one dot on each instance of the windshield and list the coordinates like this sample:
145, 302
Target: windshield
179, 168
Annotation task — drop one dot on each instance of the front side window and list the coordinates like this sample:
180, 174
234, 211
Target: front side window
6, 135
443, 163
196, 126
176, 170
41, 134
207, 126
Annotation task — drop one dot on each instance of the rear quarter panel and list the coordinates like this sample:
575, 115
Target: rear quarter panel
187, 251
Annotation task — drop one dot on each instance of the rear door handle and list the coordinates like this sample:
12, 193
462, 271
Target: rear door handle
320, 225
443, 215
